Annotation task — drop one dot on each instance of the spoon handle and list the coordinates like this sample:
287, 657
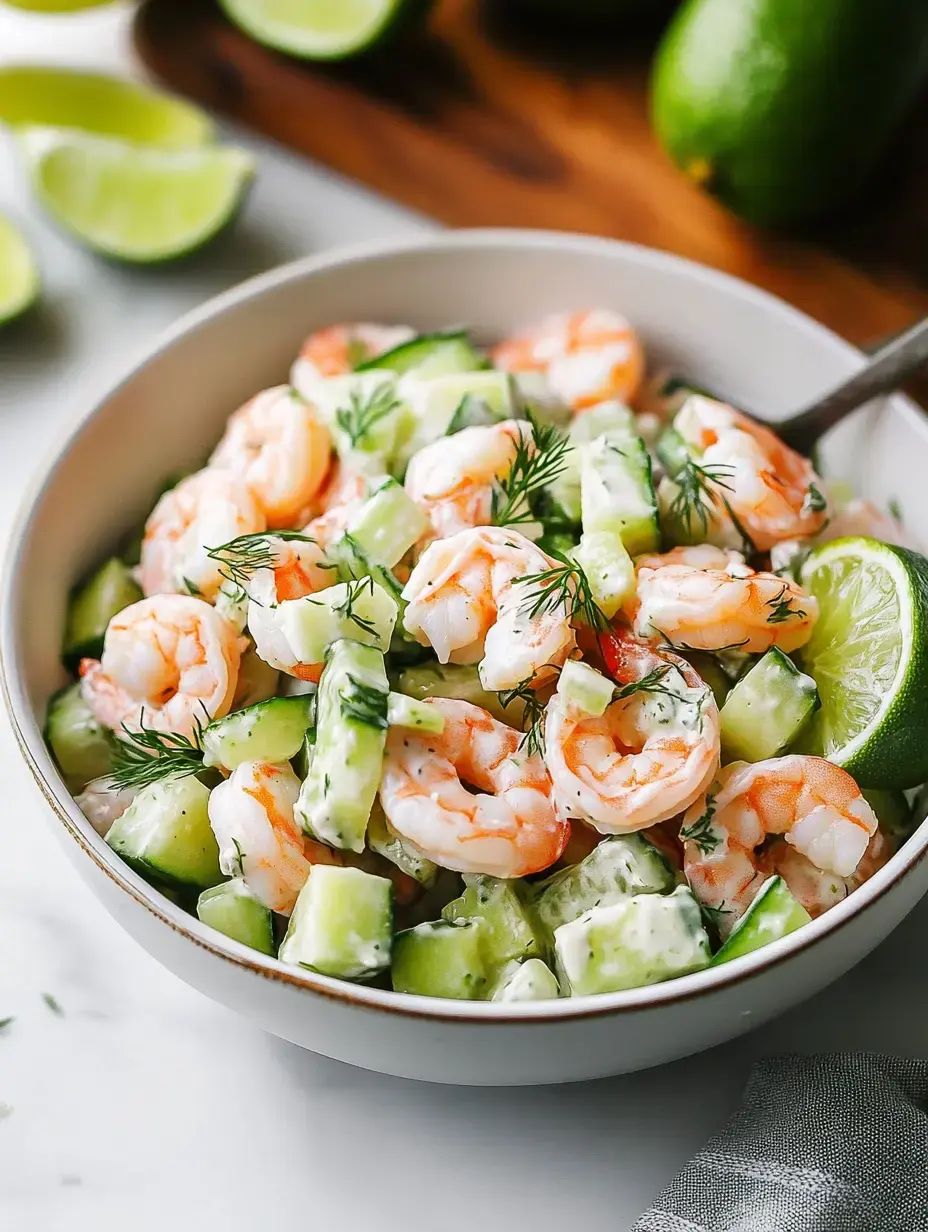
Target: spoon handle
886, 370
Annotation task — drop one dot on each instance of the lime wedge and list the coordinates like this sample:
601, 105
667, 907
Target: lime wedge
869, 656
132, 202
56, 6
324, 29
61, 98
19, 281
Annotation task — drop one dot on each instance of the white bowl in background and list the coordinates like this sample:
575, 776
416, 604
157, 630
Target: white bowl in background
167, 414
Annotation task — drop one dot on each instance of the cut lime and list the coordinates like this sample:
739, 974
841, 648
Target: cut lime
324, 29
132, 202
869, 656
56, 6
61, 98
19, 281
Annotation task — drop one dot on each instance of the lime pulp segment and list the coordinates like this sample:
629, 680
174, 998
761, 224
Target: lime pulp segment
322, 29
19, 282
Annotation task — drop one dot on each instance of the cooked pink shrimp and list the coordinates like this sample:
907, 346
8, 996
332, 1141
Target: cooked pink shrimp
452, 479
647, 758
344, 493
860, 517
754, 483
815, 805
102, 803
465, 604
299, 569
339, 349
251, 814
586, 357
704, 598
280, 448
508, 829
169, 662
204, 511
814, 888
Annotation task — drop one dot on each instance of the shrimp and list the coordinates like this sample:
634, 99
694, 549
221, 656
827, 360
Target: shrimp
814, 888
814, 804
251, 814
169, 663
706, 598
452, 480
280, 448
102, 803
754, 486
647, 758
299, 569
339, 349
203, 511
509, 828
860, 517
344, 494
464, 603
586, 357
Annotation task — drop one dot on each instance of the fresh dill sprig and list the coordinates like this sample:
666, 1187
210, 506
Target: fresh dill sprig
697, 495
241, 558
565, 586
651, 683
782, 609
365, 411
538, 461
239, 857
702, 832
345, 609
364, 703
533, 716
814, 501
147, 756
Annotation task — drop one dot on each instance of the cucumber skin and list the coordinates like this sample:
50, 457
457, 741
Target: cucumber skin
507, 931
276, 731
92, 606
82, 747
774, 913
413, 356
186, 853
234, 911
438, 959
783, 702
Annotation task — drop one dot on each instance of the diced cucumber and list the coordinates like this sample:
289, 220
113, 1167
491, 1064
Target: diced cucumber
619, 867
364, 413
233, 910
354, 565
165, 833
589, 690
93, 606
507, 931
360, 611
471, 412
269, 731
430, 355
773, 914
617, 491
388, 524
382, 838
81, 746
437, 959
638, 941
559, 543
531, 980
604, 559
610, 417
403, 711
457, 681
673, 452
342, 924
767, 708
894, 813
438, 402
338, 793
711, 671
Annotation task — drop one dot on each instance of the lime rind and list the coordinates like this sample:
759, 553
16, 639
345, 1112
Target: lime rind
323, 29
19, 278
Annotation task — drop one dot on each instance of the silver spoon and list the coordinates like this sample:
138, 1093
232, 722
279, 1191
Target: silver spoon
886, 369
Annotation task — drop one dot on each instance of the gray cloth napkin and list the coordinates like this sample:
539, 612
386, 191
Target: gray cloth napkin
833, 1143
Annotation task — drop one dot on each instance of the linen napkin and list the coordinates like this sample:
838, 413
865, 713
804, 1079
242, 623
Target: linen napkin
830, 1143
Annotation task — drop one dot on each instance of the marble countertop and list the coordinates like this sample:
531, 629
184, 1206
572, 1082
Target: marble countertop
129, 1100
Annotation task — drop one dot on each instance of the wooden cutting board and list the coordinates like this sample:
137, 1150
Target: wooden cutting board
476, 124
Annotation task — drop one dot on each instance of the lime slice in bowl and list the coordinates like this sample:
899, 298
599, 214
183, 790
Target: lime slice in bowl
134, 203
94, 102
324, 29
56, 6
19, 281
868, 655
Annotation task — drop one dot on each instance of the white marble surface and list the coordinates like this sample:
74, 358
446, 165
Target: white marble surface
141, 1104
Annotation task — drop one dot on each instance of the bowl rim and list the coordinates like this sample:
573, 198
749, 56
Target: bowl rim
30, 737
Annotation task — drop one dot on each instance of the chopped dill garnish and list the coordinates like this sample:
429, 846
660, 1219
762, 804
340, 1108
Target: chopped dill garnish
239, 857
538, 461
566, 587
7, 1022
814, 501
702, 832
782, 609
697, 495
364, 703
345, 609
53, 1004
146, 756
651, 683
533, 716
365, 411
241, 558
895, 508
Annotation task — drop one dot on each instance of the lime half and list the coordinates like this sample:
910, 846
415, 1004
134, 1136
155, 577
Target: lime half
869, 656
56, 6
19, 282
132, 202
93, 102
324, 29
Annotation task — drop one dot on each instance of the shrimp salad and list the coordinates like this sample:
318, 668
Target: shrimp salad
476, 673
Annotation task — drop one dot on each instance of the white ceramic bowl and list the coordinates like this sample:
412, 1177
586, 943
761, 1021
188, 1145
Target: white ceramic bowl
166, 415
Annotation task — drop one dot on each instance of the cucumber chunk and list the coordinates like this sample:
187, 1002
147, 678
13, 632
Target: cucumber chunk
609, 417
338, 793
507, 931
617, 491
589, 690
233, 910
773, 914
365, 415
403, 711
457, 681
438, 959
342, 924
165, 834
93, 606
384, 840
641, 940
897, 817
429, 355
673, 452
712, 672
269, 731
602, 556
767, 708
619, 867
531, 980
443, 404
360, 611
81, 746
387, 524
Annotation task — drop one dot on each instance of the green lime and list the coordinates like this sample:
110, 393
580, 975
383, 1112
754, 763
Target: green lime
19, 281
132, 202
56, 6
324, 29
869, 656
61, 98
